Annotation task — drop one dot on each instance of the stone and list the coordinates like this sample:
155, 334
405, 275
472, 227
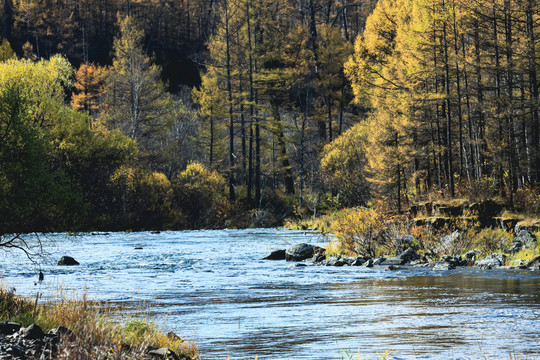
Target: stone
32, 332
534, 263
529, 225
379, 261
409, 255
317, 258
492, 261
163, 353
358, 261
276, 255
368, 263
334, 261
299, 252
472, 255
8, 328
392, 261
68, 261
61, 331
527, 239
443, 266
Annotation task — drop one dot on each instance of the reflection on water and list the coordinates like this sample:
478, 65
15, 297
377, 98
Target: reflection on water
212, 287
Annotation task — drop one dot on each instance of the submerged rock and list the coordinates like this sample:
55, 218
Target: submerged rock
68, 261
276, 255
299, 252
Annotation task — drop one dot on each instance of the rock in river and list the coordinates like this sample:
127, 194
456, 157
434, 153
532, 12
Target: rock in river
67, 260
276, 255
299, 252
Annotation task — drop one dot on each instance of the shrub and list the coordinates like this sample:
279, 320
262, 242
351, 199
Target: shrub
144, 197
489, 241
363, 231
200, 194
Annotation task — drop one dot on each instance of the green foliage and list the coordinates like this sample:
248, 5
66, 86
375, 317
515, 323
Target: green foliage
6, 52
200, 194
143, 197
343, 165
34, 195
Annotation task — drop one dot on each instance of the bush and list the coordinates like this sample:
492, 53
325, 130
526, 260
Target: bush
363, 232
143, 197
199, 193
489, 241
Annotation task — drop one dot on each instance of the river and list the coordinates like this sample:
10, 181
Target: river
212, 287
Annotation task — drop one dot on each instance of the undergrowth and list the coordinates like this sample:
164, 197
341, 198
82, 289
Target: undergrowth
97, 334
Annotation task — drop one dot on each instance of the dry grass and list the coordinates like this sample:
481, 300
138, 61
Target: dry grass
97, 334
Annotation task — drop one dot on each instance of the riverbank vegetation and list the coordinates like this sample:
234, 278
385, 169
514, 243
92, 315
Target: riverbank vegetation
96, 332
210, 114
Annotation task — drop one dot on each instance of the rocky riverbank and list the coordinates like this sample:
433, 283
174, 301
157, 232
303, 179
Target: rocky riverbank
307, 254
29, 343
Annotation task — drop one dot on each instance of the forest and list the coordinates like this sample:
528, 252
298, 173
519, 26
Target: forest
152, 114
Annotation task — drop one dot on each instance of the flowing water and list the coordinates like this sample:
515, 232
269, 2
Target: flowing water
212, 287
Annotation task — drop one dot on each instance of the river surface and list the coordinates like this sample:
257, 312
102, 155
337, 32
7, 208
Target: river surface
212, 287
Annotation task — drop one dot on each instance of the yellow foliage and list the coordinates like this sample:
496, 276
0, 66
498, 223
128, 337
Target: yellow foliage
363, 232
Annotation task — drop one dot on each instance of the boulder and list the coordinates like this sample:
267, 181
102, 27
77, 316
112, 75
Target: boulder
68, 261
442, 266
529, 225
534, 263
299, 252
317, 258
526, 238
379, 261
334, 261
472, 255
32, 332
393, 261
409, 255
492, 261
453, 260
358, 261
368, 263
8, 328
61, 331
276, 255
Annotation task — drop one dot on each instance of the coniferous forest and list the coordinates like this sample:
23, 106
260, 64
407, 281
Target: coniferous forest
148, 114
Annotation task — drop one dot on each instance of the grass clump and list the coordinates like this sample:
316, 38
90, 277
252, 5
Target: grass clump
97, 334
